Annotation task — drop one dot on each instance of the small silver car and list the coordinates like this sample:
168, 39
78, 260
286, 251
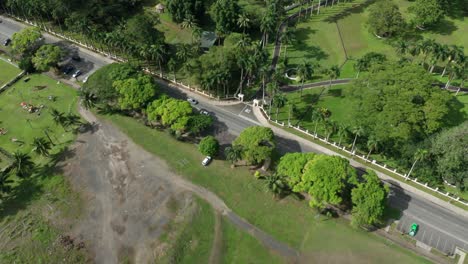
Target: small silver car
206, 161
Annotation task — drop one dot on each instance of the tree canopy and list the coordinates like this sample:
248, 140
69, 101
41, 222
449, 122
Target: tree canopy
326, 179
47, 56
25, 39
185, 9
208, 146
450, 150
171, 112
397, 104
257, 144
291, 167
225, 14
369, 200
427, 12
385, 19
134, 93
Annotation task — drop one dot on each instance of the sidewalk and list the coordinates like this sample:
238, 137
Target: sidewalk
278, 131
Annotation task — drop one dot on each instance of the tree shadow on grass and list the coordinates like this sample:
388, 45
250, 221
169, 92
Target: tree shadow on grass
355, 9
309, 51
456, 114
444, 27
20, 197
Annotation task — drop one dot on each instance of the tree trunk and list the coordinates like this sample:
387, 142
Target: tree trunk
354, 142
160, 68
302, 87
368, 154
315, 129
411, 170
432, 68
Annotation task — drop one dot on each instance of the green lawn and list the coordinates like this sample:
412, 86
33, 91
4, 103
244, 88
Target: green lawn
288, 220
190, 240
318, 37
173, 32
7, 72
240, 247
23, 125
43, 206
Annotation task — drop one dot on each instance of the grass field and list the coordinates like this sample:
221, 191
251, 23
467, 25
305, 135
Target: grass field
23, 125
173, 32
288, 220
7, 72
40, 207
318, 37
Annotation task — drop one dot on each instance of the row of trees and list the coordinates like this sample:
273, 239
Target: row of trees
34, 55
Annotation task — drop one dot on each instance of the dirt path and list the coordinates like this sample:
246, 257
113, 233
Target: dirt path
128, 189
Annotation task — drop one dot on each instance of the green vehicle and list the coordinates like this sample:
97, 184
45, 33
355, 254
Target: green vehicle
414, 229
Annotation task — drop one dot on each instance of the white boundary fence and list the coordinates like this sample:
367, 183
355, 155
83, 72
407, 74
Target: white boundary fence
167, 78
363, 157
6, 85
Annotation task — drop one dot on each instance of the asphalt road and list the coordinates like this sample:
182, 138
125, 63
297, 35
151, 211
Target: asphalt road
88, 63
435, 221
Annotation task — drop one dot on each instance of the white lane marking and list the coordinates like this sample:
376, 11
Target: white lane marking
243, 109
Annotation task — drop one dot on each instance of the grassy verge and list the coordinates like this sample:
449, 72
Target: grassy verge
240, 247
7, 72
288, 220
190, 241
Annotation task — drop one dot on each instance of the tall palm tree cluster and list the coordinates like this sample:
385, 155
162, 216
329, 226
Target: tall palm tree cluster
432, 55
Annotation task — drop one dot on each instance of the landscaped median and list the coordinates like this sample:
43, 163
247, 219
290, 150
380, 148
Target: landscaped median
288, 220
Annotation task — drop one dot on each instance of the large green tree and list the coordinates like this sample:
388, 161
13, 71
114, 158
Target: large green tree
135, 93
170, 112
397, 105
450, 150
209, 146
369, 200
326, 179
385, 19
427, 12
25, 39
182, 9
47, 56
291, 167
257, 144
225, 14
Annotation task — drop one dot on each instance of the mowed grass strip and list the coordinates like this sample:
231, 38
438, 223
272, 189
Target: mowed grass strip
240, 247
288, 220
7, 72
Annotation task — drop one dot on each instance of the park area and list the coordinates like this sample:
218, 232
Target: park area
25, 113
339, 35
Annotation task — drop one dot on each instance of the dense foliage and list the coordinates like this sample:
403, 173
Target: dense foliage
257, 144
397, 105
385, 19
209, 146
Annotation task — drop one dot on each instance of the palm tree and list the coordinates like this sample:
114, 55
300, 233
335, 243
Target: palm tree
287, 38
158, 53
342, 132
372, 144
275, 184
243, 21
57, 117
22, 164
357, 131
171, 65
189, 22
267, 25
419, 155
264, 71
233, 154
71, 120
279, 101
41, 146
304, 72
330, 128
456, 54
317, 117
183, 52
88, 100
333, 72
197, 33
401, 47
